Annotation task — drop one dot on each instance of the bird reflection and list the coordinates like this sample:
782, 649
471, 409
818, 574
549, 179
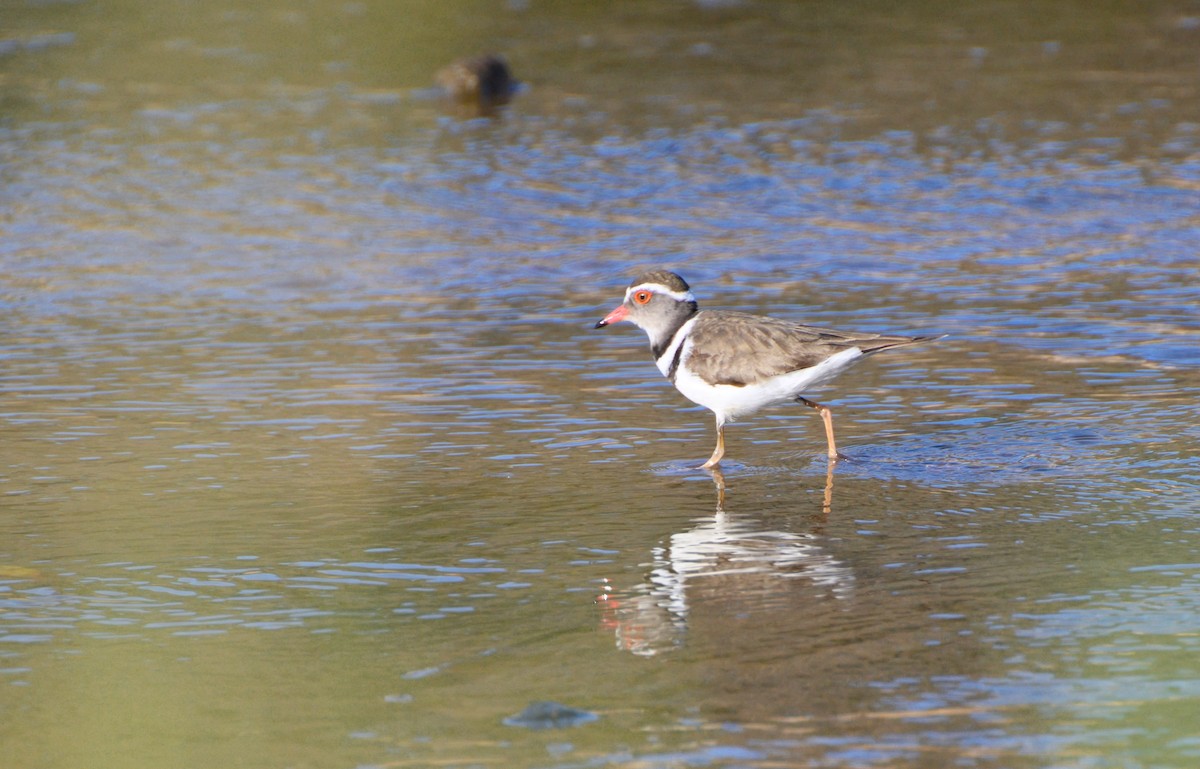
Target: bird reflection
826, 506
723, 559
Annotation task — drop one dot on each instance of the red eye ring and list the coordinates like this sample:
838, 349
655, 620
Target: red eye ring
642, 297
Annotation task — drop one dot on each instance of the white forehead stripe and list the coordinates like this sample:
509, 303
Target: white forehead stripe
658, 288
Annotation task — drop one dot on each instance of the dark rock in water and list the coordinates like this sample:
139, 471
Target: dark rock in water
550, 715
483, 82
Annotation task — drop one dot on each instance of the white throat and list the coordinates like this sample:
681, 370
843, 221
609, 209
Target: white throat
664, 361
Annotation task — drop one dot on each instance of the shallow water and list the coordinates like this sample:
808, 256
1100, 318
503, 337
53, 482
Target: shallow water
311, 456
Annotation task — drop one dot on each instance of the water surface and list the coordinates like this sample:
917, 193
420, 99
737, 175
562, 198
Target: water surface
311, 456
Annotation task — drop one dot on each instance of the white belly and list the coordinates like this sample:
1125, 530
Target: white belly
730, 402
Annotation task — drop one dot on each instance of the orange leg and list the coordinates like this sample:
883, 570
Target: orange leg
719, 451
827, 418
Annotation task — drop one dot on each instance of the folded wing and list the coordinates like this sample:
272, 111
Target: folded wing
744, 349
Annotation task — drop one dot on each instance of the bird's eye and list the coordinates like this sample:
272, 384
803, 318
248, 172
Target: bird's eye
642, 297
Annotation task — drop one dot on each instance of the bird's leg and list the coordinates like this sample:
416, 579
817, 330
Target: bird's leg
827, 418
827, 504
719, 451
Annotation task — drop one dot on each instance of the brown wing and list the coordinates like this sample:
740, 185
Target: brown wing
738, 349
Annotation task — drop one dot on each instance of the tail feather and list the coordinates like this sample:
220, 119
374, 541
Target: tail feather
881, 343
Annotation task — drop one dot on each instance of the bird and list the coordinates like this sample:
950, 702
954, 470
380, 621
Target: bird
736, 363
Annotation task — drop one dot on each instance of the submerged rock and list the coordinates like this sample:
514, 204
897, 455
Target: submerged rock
481, 82
550, 715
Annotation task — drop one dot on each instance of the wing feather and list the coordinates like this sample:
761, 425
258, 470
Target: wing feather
737, 348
